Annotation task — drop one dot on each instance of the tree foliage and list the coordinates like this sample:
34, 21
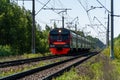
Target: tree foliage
117, 47
16, 29
117, 41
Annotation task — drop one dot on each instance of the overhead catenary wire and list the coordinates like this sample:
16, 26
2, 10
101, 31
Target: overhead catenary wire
89, 18
99, 21
82, 5
87, 15
107, 9
48, 7
62, 6
103, 6
43, 6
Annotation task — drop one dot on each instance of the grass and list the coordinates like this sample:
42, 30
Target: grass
20, 69
97, 68
24, 56
9, 71
71, 75
116, 51
85, 72
116, 72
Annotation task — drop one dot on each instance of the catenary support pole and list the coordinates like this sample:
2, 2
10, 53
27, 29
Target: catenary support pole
62, 21
112, 31
33, 26
107, 35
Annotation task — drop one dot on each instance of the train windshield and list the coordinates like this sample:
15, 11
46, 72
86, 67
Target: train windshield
59, 34
53, 36
59, 37
64, 36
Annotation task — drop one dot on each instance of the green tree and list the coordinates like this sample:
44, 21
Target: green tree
16, 29
15, 26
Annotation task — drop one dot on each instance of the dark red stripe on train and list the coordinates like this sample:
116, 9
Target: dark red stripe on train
59, 51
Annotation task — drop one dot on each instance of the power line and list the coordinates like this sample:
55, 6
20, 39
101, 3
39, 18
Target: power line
48, 7
98, 21
63, 10
107, 9
103, 6
40, 2
87, 15
43, 6
82, 5
89, 18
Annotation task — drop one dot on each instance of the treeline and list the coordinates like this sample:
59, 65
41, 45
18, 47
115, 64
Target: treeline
16, 30
97, 44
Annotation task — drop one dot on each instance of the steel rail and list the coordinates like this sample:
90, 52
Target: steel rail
60, 72
23, 61
32, 71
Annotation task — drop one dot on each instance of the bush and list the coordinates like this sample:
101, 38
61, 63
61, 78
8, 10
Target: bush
6, 50
116, 51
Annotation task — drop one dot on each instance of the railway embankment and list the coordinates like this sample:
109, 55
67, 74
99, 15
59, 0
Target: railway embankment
99, 67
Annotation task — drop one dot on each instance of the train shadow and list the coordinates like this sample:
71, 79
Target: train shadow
78, 53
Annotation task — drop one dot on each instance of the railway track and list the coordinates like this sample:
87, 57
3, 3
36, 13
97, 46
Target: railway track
49, 71
31, 65
23, 61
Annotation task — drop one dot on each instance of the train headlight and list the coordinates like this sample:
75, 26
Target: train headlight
59, 31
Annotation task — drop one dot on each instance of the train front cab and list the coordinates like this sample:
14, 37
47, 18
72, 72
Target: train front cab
59, 41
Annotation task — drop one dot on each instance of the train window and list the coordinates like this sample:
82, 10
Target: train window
59, 37
59, 34
65, 36
54, 36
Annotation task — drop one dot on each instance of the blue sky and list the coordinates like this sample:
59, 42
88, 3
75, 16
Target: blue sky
44, 16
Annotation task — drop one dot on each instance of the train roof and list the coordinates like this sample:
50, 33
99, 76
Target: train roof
64, 30
57, 30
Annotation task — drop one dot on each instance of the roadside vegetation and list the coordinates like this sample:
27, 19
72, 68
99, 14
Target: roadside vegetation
23, 56
116, 48
20, 68
99, 67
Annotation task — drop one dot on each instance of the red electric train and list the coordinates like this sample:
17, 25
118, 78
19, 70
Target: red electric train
62, 41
